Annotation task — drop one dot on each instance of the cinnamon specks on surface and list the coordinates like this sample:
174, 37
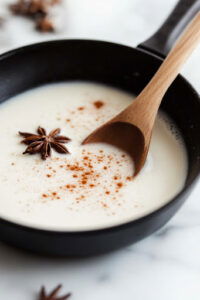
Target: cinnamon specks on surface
98, 104
79, 114
50, 196
119, 185
89, 176
81, 108
44, 195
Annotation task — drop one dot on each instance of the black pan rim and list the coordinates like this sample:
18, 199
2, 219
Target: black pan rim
117, 227
34, 46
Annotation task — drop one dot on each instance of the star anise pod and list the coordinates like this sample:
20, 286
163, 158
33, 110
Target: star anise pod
53, 295
44, 25
42, 143
37, 10
31, 8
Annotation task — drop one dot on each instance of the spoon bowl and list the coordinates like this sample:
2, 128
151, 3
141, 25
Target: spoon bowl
124, 136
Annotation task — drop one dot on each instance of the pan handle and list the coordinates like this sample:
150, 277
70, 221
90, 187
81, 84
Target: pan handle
162, 41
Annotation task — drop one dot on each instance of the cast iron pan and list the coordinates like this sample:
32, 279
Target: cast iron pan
126, 68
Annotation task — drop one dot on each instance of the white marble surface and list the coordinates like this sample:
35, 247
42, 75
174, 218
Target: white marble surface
164, 266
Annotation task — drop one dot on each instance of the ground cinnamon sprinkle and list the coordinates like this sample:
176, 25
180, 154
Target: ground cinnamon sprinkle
70, 186
89, 173
104, 204
98, 104
75, 168
85, 174
81, 108
119, 184
51, 196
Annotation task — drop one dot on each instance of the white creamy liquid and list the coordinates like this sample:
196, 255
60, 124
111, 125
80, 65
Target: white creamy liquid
92, 187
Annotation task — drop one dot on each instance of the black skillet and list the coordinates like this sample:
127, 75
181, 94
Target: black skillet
126, 68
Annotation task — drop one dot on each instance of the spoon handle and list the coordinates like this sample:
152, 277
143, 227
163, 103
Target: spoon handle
157, 87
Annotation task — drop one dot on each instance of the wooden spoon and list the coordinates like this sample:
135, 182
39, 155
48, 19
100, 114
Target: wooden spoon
131, 130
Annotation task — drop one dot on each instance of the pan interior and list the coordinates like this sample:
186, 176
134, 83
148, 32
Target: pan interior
92, 187
118, 66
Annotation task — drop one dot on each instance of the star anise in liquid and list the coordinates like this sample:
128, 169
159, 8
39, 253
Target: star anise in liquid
42, 143
53, 295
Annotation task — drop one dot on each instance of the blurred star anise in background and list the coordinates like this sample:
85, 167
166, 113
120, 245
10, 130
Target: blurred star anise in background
37, 10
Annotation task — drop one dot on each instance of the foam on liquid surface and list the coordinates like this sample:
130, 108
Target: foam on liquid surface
93, 187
